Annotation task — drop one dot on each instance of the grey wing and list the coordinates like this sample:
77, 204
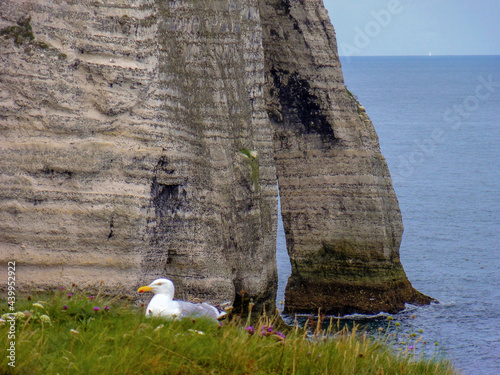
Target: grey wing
210, 310
191, 309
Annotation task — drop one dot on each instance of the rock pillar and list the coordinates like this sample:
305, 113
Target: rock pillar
341, 216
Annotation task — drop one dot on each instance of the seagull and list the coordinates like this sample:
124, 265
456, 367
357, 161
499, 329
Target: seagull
163, 303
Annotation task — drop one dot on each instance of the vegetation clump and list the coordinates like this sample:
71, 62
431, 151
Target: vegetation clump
253, 159
72, 332
22, 33
359, 107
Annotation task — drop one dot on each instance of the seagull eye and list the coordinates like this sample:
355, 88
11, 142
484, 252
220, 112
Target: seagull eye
158, 284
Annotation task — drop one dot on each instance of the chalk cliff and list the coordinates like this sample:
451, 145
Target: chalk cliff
144, 138
341, 216
126, 131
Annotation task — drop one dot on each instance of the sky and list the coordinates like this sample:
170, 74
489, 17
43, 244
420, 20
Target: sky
416, 27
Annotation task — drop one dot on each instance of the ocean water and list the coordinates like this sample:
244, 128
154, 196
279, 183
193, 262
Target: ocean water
438, 121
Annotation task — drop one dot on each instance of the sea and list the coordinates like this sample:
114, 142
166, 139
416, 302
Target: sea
438, 122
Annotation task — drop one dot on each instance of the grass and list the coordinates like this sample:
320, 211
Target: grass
67, 334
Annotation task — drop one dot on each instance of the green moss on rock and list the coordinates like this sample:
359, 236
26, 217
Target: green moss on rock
21, 33
347, 277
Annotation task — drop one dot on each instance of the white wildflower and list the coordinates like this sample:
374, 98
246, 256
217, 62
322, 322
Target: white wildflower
159, 327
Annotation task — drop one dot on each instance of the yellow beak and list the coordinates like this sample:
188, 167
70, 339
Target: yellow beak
143, 289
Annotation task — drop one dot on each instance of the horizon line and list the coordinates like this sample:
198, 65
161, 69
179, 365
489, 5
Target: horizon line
423, 55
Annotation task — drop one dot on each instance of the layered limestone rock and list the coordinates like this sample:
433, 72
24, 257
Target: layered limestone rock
138, 140
341, 216
134, 144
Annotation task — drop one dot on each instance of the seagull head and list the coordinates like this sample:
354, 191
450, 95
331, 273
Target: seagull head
159, 286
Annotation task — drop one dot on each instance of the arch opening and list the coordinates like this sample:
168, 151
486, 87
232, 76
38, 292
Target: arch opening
282, 261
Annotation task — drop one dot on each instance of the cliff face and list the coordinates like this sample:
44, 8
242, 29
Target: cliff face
143, 138
125, 135
341, 216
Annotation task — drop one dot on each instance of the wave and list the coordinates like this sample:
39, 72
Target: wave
409, 308
355, 316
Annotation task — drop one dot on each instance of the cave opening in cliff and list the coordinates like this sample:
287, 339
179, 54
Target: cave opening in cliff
282, 260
